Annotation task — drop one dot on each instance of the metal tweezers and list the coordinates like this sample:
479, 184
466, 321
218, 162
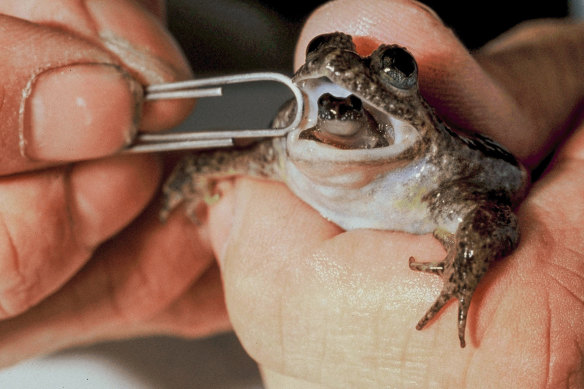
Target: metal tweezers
209, 87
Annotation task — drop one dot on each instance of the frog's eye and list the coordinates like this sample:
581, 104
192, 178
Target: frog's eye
336, 40
395, 65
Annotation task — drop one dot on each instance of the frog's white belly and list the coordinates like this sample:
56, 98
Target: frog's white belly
390, 201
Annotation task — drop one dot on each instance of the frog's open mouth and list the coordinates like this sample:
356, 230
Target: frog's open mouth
343, 122
339, 118
343, 126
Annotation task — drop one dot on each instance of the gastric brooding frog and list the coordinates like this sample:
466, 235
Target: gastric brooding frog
371, 153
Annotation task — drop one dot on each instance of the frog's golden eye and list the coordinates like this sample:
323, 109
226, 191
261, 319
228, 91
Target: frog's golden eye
335, 40
395, 65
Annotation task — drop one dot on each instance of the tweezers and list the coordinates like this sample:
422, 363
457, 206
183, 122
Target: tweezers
209, 87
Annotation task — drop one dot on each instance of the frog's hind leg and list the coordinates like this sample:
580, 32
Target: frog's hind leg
193, 179
486, 233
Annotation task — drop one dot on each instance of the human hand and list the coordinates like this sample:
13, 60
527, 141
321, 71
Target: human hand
319, 307
71, 90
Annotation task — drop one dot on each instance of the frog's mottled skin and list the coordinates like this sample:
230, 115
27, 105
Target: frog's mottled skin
371, 153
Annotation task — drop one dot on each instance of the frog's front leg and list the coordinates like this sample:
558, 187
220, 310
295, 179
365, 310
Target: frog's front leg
193, 179
488, 232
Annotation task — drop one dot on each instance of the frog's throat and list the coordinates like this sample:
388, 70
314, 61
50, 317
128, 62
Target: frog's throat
403, 135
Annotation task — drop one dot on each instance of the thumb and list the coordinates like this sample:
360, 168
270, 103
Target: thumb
57, 91
75, 92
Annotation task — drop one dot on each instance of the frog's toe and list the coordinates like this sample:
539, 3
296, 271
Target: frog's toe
463, 304
434, 309
445, 296
427, 267
447, 239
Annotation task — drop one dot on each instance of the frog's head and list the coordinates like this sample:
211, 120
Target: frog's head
358, 108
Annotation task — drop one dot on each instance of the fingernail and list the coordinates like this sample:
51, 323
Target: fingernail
80, 111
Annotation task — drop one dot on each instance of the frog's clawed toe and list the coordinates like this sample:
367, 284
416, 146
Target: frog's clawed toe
443, 298
434, 309
428, 267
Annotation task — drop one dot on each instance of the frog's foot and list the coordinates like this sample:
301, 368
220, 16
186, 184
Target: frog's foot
449, 291
486, 233
443, 298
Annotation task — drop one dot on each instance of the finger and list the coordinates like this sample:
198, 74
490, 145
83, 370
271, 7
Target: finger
55, 106
51, 222
450, 78
75, 99
539, 62
153, 279
147, 49
147, 46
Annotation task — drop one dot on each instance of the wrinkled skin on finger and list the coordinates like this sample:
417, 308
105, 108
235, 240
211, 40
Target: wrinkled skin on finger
319, 307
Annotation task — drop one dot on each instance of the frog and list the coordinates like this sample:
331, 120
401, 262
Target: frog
371, 153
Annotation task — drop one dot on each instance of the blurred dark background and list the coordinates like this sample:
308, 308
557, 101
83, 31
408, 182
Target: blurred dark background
227, 36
